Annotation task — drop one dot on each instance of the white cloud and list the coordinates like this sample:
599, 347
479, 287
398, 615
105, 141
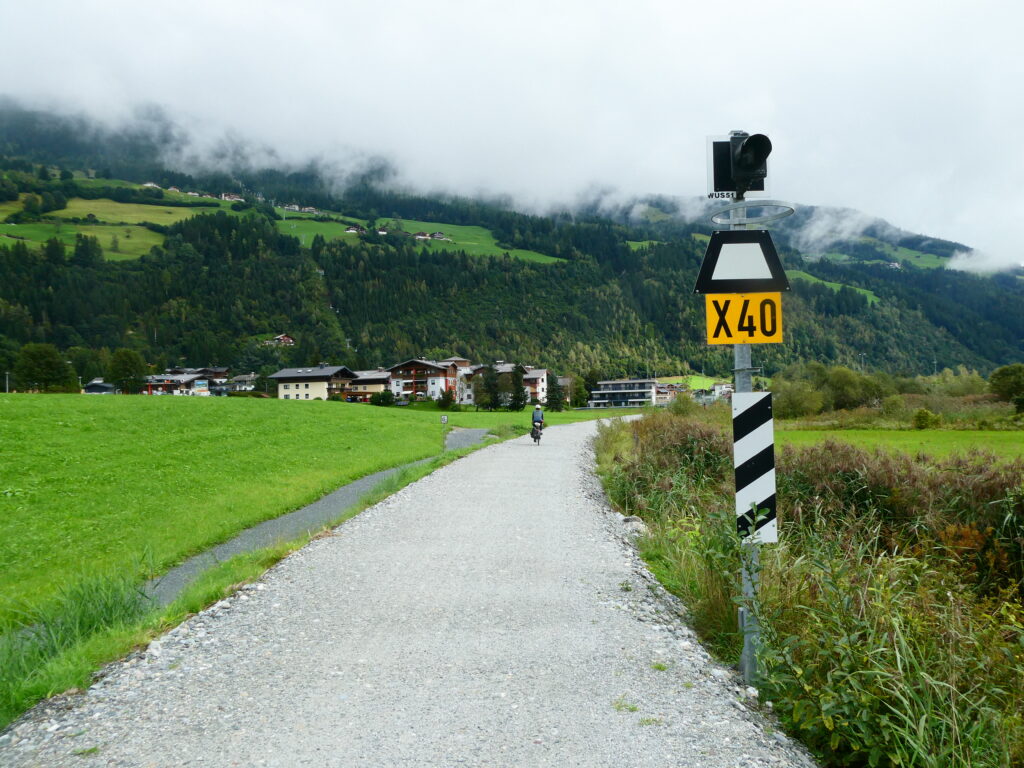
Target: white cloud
895, 109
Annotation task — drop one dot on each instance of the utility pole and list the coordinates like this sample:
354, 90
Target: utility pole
7, 382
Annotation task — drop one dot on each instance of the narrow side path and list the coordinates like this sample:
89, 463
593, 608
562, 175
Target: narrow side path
166, 588
490, 614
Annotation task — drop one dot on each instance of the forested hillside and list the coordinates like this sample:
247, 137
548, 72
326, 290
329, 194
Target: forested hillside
617, 301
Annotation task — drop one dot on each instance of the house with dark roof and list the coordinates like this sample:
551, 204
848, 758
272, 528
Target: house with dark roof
313, 383
419, 379
368, 383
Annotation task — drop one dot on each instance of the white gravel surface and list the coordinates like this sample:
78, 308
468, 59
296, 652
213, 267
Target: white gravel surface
491, 614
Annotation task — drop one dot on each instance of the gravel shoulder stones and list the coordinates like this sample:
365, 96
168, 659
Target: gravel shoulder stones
493, 613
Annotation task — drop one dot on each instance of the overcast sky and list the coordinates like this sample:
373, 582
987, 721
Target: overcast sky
906, 110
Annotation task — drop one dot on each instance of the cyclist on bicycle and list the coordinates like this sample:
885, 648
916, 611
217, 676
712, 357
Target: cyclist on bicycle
538, 416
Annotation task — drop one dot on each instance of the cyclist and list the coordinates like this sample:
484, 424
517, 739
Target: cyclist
538, 416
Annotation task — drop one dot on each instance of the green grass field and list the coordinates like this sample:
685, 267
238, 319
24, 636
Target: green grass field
305, 229
130, 213
934, 442
693, 381
94, 484
801, 275
90, 484
475, 241
636, 245
133, 241
917, 258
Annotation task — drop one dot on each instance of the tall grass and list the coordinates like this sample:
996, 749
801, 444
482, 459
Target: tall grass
29, 644
892, 615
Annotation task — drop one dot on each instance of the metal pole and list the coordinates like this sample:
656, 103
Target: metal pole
748, 624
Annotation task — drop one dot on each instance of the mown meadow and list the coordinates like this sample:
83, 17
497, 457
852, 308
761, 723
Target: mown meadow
892, 608
99, 484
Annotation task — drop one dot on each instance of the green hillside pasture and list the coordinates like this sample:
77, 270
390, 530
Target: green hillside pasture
917, 258
113, 212
693, 381
7, 207
133, 241
933, 442
801, 275
636, 245
700, 237
475, 241
89, 485
305, 229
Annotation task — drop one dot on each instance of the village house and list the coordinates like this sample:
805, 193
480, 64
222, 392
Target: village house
368, 383
281, 340
355, 230
245, 382
624, 393
232, 197
419, 379
182, 384
536, 382
317, 383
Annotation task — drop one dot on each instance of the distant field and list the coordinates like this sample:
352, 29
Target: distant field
109, 482
636, 245
306, 229
693, 381
133, 241
131, 213
8, 207
801, 275
475, 241
917, 258
700, 237
936, 442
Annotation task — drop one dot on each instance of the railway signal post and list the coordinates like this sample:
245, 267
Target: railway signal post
742, 280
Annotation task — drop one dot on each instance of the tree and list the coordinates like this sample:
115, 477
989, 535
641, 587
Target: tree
517, 397
41, 366
66, 175
556, 397
115, 244
1007, 381
446, 400
127, 370
492, 388
53, 251
580, 395
88, 252
44, 173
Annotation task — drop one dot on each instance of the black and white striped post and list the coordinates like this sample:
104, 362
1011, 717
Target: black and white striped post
753, 436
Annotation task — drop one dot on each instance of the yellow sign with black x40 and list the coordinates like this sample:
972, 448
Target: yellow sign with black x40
744, 318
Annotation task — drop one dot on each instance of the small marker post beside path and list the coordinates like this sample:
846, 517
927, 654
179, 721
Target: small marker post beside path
743, 280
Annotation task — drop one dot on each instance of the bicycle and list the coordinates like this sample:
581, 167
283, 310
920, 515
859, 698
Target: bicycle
536, 431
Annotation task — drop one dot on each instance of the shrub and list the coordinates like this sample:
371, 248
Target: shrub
385, 398
925, 419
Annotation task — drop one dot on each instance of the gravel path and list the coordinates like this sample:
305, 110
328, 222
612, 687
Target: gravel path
491, 614
165, 589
